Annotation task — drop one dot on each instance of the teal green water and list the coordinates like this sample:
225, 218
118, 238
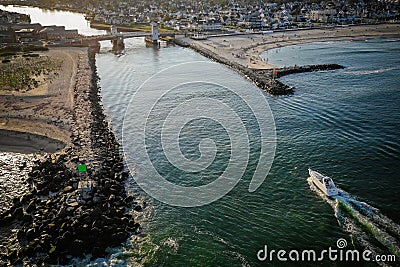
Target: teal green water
353, 112
344, 123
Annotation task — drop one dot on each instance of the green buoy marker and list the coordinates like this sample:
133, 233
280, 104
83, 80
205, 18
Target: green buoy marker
82, 168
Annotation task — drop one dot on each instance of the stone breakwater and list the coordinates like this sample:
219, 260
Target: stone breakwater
263, 78
67, 213
307, 68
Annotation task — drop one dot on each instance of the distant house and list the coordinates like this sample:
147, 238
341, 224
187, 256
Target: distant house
20, 26
7, 36
255, 22
57, 33
13, 17
210, 25
26, 35
324, 15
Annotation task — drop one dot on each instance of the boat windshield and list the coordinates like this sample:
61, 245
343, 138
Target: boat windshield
327, 181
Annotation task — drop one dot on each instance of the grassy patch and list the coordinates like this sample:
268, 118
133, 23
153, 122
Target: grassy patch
15, 48
23, 72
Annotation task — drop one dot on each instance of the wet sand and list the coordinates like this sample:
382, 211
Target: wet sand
12, 141
246, 49
44, 113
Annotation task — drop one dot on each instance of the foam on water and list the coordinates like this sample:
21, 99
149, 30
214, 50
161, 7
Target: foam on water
367, 225
368, 72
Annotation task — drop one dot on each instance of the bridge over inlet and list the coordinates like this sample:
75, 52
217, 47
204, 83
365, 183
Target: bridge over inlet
118, 38
126, 35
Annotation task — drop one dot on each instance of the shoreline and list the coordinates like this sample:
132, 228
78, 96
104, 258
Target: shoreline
67, 213
243, 53
250, 47
26, 143
264, 80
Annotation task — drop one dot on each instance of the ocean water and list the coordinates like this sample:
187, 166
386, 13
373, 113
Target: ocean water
355, 111
343, 123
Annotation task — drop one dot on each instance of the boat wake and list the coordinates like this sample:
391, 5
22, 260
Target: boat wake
368, 72
368, 227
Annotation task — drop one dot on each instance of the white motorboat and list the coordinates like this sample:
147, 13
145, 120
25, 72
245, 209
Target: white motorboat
324, 183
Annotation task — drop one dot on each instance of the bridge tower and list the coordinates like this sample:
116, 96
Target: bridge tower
152, 40
114, 30
154, 32
118, 44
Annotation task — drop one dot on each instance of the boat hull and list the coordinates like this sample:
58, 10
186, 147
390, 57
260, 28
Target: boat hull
327, 187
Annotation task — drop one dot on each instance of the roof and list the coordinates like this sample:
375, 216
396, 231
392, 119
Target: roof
53, 29
25, 31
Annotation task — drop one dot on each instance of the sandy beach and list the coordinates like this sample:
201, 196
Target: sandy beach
86, 206
41, 119
246, 49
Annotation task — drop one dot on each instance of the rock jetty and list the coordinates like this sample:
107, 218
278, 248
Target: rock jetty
68, 213
262, 79
265, 79
307, 68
